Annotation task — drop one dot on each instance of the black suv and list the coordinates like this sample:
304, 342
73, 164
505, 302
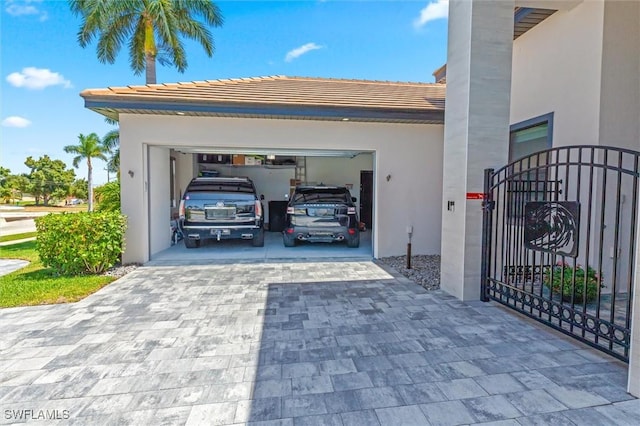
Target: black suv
321, 214
221, 208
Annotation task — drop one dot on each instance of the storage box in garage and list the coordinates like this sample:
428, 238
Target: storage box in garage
249, 160
238, 159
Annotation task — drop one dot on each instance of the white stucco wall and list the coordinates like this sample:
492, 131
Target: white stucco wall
411, 154
582, 65
620, 99
556, 68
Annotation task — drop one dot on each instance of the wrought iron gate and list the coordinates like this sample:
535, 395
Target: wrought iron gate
559, 232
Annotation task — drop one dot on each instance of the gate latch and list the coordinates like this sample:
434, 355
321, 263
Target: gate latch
488, 205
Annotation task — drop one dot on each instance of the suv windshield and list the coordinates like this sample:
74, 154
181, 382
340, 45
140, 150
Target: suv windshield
321, 195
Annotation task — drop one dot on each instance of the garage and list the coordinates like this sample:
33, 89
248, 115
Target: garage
280, 131
275, 174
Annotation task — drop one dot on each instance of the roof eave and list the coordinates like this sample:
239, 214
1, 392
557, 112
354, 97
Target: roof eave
112, 108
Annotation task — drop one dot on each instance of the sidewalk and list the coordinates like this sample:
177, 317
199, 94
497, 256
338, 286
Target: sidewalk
9, 265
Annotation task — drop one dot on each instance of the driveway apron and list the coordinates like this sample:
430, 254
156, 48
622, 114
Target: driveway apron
335, 343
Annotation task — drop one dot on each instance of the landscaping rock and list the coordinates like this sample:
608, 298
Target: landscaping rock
425, 269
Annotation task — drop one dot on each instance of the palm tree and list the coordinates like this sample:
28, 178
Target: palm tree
153, 29
111, 142
89, 147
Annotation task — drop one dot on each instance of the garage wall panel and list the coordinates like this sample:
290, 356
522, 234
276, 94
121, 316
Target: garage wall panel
339, 171
272, 182
410, 154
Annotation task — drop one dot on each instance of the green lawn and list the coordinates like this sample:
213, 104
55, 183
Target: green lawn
17, 236
37, 285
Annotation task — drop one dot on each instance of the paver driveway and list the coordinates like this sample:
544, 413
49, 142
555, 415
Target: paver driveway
295, 343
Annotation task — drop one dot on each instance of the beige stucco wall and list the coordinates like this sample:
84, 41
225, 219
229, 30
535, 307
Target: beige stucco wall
620, 86
556, 68
410, 154
582, 64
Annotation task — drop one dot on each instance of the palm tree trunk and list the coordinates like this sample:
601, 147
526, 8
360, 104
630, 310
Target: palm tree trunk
150, 68
90, 184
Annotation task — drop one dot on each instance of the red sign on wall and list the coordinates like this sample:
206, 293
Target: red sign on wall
475, 195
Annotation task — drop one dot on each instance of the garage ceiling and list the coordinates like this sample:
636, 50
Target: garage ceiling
272, 151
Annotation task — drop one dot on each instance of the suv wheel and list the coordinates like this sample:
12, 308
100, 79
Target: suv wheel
353, 242
258, 239
191, 243
288, 240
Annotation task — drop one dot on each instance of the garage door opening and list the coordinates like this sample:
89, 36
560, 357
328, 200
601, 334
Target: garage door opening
275, 174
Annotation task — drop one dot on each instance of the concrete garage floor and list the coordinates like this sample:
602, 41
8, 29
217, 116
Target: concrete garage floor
238, 250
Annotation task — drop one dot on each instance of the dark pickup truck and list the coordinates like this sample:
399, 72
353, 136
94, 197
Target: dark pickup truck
221, 208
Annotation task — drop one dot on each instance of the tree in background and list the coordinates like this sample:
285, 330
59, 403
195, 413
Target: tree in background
111, 142
152, 28
4, 190
79, 189
88, 148
48, 179
14, 187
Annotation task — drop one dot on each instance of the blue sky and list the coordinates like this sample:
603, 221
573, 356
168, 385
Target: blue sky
44, 69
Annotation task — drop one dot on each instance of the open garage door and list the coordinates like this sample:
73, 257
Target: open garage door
275, 173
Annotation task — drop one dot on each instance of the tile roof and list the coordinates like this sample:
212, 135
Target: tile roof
278, 97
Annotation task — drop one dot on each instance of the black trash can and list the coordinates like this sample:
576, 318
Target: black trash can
277, 215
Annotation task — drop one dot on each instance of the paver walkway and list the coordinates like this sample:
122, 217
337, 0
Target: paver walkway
296, 343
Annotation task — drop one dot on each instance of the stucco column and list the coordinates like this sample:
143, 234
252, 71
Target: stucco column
476, 132
133, 194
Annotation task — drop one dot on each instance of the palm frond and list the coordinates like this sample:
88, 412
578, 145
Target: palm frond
111, 139
137, 47
116, 22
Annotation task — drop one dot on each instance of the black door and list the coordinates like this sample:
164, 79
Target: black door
366, 197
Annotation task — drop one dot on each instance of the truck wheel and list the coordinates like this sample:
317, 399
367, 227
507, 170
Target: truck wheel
258, 239
191, 243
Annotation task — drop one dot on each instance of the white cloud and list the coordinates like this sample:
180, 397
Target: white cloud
15, 121
25, 8
437, 9
299, 51
37, 78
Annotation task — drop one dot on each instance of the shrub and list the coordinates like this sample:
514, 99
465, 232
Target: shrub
560, 279
80, 243
108, 197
